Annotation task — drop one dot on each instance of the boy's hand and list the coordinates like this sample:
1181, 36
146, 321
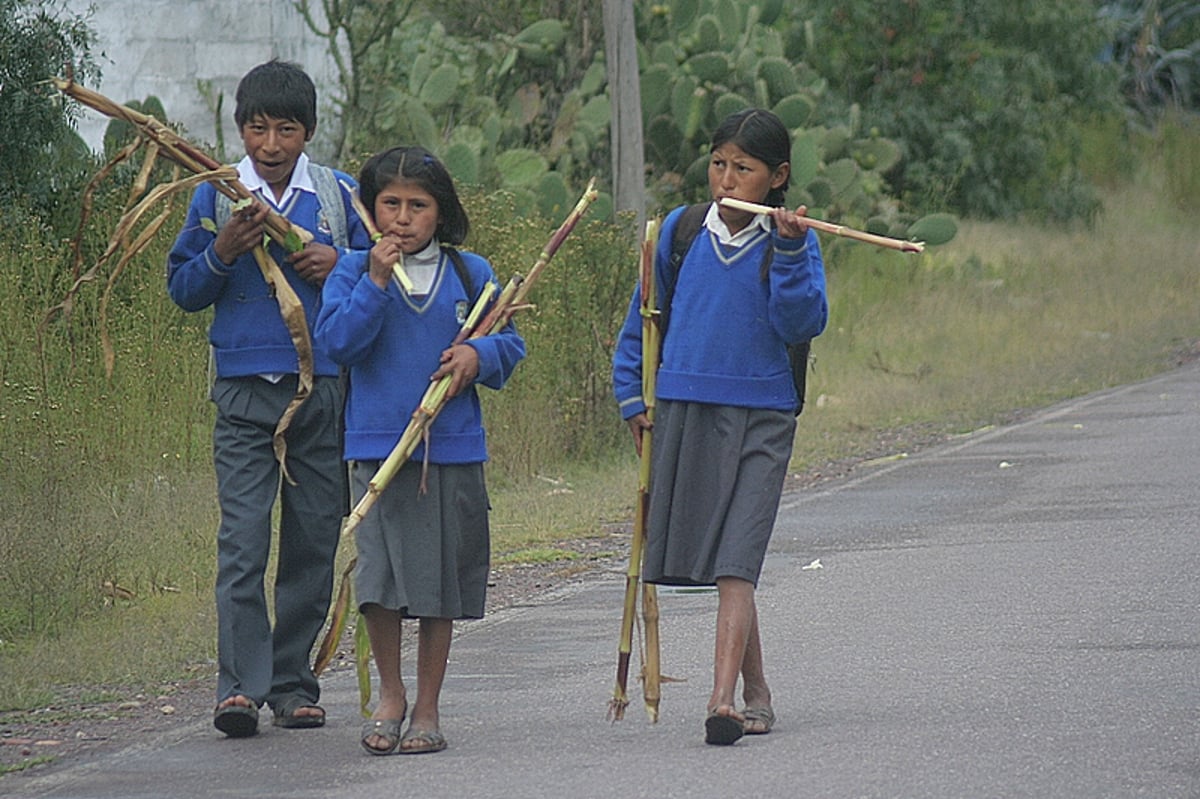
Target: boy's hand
314, 262
461, 362
241, 234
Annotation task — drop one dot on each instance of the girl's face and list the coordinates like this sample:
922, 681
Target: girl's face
407, 213
735, 174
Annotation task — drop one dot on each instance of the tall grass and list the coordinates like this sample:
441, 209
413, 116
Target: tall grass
110, 480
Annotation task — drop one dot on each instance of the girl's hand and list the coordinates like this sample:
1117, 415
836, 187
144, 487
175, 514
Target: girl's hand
314, 262
242, 233
384, 256
790, 224
461, 362
638, 425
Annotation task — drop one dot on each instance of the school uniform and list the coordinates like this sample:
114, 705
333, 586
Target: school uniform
256, 376
724, 419
423, 554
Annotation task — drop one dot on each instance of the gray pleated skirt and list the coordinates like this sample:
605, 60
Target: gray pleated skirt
424, 555
717, 474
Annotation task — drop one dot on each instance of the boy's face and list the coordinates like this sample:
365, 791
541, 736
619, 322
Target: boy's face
274, 145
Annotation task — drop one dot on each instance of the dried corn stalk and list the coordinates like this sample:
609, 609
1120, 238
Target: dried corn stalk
160, 141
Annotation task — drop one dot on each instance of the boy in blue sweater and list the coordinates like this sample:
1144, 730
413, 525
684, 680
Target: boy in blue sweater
257, 369
749, 286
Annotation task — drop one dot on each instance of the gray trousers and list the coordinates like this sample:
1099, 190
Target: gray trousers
254, 660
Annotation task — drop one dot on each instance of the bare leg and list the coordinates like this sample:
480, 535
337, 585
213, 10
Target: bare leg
735, 621
433, 651
383, 628
755, 692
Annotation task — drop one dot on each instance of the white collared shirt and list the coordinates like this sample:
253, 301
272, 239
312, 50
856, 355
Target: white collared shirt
713, 221
300, 181
422, 267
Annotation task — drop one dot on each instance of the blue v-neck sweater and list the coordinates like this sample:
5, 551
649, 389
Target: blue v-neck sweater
248, 334
726, 343
393, 342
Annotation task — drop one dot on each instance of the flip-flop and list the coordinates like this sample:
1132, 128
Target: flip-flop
759, 720
429, 741
236, 721
285, 714
387, 729
722, 729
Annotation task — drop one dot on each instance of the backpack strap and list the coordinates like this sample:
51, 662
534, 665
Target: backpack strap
333, 206
329, 196
460, 267
687, 227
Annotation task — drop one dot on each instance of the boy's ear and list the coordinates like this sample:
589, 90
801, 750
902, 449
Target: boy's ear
780, 176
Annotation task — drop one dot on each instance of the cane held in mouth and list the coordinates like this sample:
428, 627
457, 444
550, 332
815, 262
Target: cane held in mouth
829, 227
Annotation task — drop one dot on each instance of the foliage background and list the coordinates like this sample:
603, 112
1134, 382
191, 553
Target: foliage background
107, 482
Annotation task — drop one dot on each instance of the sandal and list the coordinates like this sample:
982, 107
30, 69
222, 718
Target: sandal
236, 721
286, 717
426, 741
387, 729
759, 720
723, 729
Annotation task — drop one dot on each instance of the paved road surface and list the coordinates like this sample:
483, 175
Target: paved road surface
1013, 614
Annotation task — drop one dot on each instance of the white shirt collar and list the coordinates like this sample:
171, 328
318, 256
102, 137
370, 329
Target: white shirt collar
713, 222
300, 181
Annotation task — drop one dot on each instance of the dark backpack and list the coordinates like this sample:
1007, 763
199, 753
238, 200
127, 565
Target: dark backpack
687, 227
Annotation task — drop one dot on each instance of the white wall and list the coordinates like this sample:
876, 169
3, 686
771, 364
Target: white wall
164, 47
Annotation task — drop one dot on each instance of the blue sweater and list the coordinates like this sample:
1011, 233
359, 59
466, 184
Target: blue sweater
248, 334
726, 343
392, 343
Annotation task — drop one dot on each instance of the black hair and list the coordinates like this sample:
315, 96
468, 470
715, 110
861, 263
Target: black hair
423, 168
277, 89
761, 135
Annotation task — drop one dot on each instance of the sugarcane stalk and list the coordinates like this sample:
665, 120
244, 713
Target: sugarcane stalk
369, 222
510, 300
291, 237
162, 140
650, 353
830, 227
652, 670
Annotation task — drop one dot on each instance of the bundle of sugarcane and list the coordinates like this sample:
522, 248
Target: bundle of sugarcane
651, 675
159, 140
478, 323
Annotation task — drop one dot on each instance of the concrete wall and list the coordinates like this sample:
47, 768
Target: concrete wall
166, 48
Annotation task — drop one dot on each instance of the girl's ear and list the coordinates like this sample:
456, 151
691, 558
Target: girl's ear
780, 176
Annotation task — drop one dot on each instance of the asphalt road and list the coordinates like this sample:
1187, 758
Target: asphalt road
1013, 614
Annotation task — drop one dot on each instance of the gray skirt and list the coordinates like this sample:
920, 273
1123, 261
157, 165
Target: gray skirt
424, 555
717, 474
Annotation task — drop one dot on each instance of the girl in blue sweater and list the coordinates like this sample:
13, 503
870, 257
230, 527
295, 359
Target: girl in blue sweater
423, 549
749, 286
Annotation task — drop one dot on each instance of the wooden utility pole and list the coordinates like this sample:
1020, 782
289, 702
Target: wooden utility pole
625, 100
